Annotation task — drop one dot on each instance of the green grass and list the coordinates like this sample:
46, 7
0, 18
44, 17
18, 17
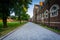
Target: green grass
1, 24
11, 26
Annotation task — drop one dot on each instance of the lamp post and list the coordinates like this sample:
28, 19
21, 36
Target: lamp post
41, 5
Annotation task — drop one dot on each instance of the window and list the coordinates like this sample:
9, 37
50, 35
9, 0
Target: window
54, 13
46, 14
54, 10
40, 15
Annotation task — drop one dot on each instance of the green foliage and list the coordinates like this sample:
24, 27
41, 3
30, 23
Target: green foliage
21, 9
17, 6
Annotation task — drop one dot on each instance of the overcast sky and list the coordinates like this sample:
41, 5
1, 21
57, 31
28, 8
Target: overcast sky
30, 9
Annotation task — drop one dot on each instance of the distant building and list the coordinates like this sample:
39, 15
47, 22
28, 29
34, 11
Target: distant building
35, 12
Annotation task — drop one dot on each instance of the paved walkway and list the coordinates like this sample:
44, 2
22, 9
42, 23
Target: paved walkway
31, 31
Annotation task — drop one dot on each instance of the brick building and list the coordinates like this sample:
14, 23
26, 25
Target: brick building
48, 14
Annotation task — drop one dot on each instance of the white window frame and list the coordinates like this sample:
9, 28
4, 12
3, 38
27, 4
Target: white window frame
54, 14
55, 5
45, 14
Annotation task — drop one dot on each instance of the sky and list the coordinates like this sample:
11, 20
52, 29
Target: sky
30, 9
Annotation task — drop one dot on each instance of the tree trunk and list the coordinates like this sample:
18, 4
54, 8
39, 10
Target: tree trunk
19, 18
4, 21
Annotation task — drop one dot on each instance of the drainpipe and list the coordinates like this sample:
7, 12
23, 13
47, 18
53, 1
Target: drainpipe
49, 19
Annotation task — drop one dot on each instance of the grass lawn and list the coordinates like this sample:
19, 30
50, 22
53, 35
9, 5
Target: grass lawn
11, 26
54, 30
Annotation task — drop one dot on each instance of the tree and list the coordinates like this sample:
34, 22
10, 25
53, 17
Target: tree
11, 5
4, 11
22, 8
5, 7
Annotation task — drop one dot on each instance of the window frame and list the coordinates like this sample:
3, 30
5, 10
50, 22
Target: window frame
52, 11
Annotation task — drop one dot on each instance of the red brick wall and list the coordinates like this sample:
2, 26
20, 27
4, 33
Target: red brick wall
55, 19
